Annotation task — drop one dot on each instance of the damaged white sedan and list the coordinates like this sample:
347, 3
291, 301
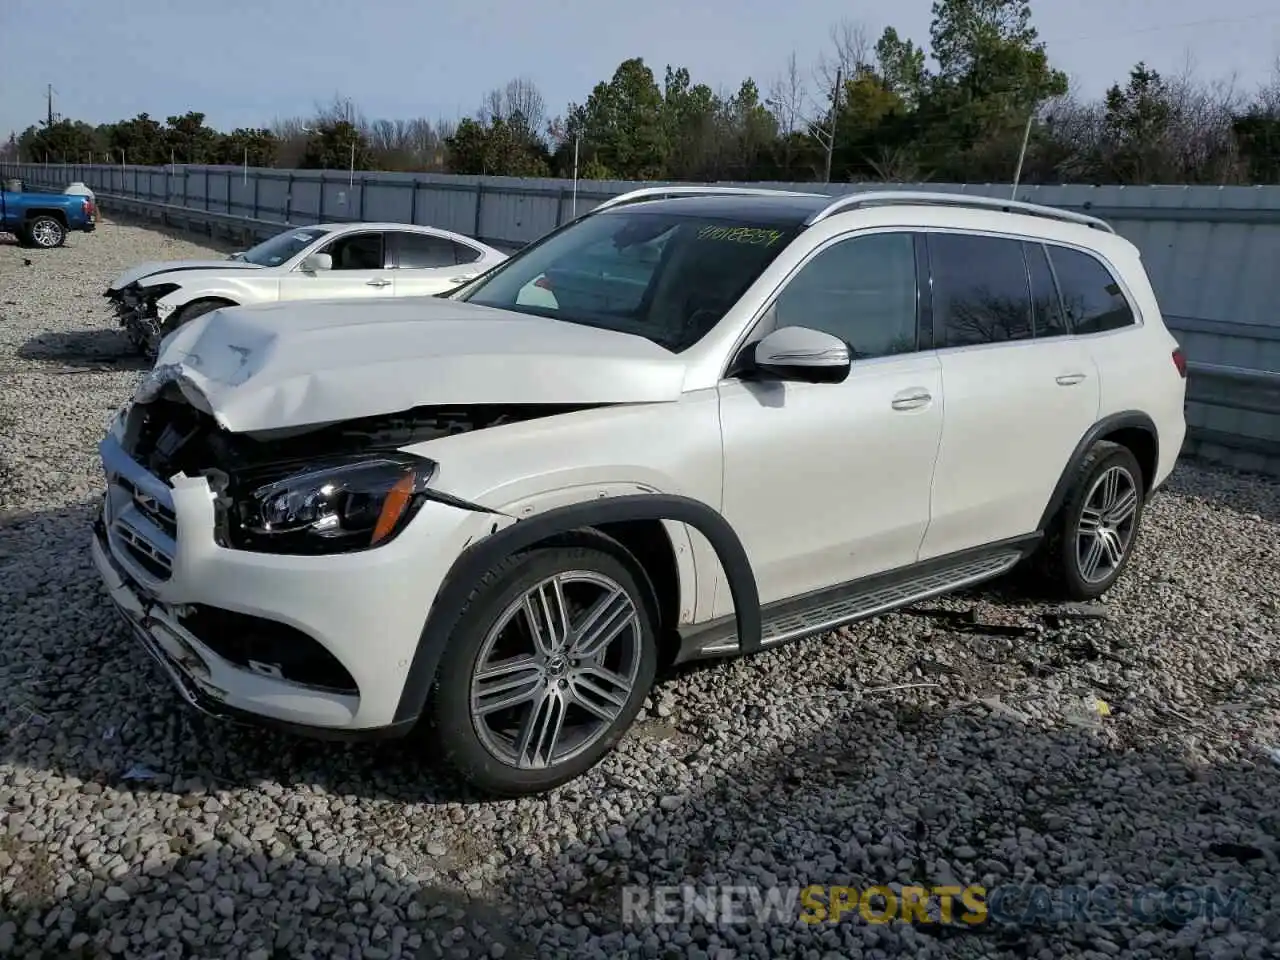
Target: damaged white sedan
326, 261
681, 426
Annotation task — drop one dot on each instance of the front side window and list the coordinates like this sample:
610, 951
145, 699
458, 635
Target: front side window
357, 251
861, 290
1093, 300
667, 277
980, 289
281, 248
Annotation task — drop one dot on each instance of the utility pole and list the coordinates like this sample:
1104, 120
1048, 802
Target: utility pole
1022, 153
830, 132
49, 103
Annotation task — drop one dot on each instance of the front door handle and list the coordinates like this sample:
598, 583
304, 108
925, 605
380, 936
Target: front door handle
378, 283
469, 276
912, 399
1070, 379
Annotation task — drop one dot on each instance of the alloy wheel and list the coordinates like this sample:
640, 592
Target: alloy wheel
556, 670
46, 233
1107, 523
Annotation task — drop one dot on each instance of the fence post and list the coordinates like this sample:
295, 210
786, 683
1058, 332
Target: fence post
413, 200
475, 231
288, 198
560, 206
320, 211
360, 208
255, 195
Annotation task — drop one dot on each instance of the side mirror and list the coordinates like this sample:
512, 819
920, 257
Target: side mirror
804, 354
317, 261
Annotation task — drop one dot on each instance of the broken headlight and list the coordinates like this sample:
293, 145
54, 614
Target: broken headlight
334, 508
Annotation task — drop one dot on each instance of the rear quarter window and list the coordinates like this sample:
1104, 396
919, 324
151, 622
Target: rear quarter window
1092, 298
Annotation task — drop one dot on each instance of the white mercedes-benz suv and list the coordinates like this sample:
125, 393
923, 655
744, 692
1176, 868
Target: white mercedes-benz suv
694, 422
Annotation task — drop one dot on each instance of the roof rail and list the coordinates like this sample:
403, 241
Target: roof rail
654, 193
888, 198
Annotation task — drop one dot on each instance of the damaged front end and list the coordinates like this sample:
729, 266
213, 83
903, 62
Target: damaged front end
136, 309
332, 489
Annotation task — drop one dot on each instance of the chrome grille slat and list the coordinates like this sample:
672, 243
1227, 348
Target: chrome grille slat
141, 521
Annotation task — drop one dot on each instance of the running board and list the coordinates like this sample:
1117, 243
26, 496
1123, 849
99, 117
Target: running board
828, 609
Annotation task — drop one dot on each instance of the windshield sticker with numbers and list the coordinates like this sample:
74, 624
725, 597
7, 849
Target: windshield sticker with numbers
755, 236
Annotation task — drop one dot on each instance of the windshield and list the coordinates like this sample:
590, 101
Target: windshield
280, 248
663, 276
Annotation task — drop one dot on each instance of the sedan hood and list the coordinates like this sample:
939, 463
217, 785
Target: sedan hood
283, 365
134, 274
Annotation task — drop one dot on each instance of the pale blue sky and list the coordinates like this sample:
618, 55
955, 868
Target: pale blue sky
244, 62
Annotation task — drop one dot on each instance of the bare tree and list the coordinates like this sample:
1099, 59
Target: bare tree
788, 98
850, 49
520, 97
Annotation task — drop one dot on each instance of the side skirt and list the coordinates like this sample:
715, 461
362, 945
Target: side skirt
832, 607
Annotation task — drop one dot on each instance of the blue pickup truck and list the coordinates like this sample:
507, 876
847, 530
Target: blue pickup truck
45, 219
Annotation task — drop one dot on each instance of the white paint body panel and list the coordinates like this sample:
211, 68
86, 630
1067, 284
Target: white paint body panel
822, 482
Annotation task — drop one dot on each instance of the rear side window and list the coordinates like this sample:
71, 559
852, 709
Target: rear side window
1046, 308
418, 251
980, 289
1091, 297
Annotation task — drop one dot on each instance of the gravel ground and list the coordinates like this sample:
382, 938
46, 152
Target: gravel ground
954, 743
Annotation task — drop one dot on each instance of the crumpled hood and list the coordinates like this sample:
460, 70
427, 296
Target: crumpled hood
281, 365
134, 274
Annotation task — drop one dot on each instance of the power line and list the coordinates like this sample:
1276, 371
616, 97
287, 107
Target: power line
1183, 25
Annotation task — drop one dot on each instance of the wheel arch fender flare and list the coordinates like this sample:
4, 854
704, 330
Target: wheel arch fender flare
1125, 420
473, 562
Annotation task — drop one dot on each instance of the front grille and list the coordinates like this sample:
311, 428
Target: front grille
159, 513
138, 513
142, 550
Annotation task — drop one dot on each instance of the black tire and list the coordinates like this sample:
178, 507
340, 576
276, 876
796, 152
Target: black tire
467, 742
1063, 561
188, 312
44, 232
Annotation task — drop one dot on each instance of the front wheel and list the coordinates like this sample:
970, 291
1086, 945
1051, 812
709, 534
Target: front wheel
184, 315
548, 666
1096, 532
46, 232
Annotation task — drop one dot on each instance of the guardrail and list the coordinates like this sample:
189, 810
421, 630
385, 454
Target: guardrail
1233, 411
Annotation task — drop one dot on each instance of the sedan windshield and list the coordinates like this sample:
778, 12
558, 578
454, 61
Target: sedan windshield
663, 276
281, 248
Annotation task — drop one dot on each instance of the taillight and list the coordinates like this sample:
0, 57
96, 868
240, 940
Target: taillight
1180, 361
542, 283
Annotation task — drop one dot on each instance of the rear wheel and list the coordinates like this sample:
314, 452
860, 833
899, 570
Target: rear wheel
547, 668
45, 232
1095, 533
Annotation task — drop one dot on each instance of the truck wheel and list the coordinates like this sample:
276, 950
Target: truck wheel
46, 232
546, 668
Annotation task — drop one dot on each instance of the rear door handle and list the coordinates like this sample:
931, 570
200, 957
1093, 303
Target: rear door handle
912, 399
1070, 379
378, 283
